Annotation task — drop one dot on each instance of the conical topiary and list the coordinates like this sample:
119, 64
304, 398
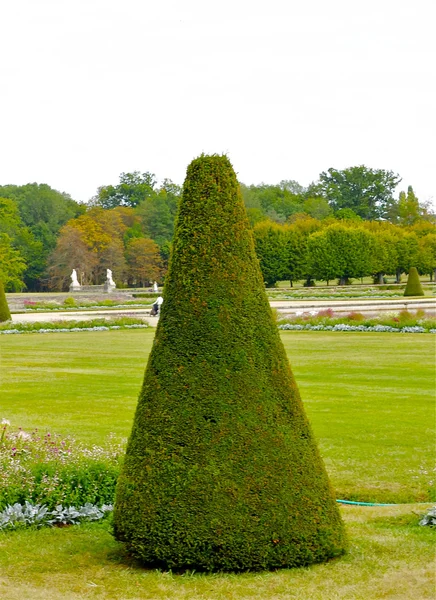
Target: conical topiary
5, 315
413, 285
221, 469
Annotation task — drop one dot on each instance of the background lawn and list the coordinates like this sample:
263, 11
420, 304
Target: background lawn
370, 398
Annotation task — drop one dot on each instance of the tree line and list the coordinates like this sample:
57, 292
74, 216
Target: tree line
345, 225
330, 250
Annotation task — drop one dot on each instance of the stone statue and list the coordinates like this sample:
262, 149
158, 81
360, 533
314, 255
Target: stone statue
74, 285
109, 279
155, 288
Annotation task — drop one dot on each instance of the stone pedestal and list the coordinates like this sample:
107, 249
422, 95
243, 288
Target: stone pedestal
75, 287
108, 287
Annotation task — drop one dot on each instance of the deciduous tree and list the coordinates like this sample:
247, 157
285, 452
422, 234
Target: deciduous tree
368, 192
143, 260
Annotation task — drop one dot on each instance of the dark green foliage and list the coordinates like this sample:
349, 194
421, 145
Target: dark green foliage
413, 286
5, 315
221, 469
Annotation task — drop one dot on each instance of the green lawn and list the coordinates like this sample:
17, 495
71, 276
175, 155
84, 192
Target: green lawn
389, 557
370, 398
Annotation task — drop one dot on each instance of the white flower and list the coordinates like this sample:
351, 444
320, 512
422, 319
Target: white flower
23, 435
5, 422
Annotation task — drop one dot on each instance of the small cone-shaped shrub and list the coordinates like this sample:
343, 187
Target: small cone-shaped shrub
413, 285
221, 469
5, 315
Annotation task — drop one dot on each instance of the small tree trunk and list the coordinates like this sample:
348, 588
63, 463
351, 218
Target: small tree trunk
398, 276
291, 282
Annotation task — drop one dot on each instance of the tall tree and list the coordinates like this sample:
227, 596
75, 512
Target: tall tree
132, 189
368, 192
271, 250
409, 210
407, 248
12, 265
71, 252
143, 260
426, 263
341, 252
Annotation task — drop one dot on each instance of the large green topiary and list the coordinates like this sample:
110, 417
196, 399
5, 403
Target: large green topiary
221, 469
5, 315
413, 285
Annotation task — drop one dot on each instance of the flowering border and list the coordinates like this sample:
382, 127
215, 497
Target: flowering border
346, 327
66, 330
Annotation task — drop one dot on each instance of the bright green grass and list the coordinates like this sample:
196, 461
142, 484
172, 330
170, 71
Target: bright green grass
370, 398
389, 556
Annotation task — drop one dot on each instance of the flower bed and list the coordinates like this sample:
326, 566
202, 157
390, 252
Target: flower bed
325, 320
70, 326
48, 470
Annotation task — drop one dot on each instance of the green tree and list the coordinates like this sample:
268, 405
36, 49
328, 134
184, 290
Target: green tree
43, 211
12, 265
409, 209
318, 208
407, 248
132, 189
221, 470
384, 255
271, 250
340, 251
427, 255
367, 192
157, 217
278, 202
23, 240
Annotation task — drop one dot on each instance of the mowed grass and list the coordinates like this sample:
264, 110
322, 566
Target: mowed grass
370, 400
369, 397
389, 556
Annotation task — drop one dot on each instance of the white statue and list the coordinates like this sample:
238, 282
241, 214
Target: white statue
74, 285
109, 281
155, 288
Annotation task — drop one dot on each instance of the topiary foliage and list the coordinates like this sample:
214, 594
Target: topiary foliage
5, 315
221, 469
413, 285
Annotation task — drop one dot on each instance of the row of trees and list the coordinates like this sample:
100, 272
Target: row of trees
327, 250
45, 233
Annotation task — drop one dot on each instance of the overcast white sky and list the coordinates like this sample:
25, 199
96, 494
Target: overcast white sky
91, 88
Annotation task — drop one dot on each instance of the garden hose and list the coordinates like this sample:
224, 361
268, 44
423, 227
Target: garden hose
373, 503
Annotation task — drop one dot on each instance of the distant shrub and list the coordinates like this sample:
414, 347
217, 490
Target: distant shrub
5, 315
70, 301
355, 316
413, 286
